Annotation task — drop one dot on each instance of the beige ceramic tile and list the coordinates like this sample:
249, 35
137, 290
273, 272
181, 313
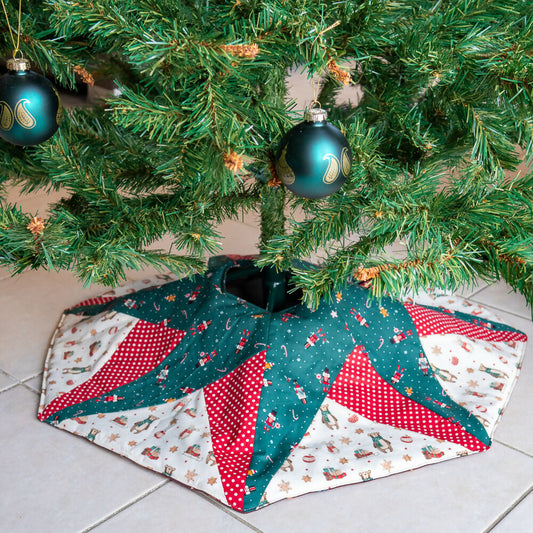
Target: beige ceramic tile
516, 426
472, 290
55, 482
6, 381
165, 245
4, 273
30, 307
250, 218
301, 88
34, 383
502, 296
34, 203
519, 520
461, 495
175, 509
239, 238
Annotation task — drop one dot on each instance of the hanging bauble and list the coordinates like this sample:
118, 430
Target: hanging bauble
314, 158
30, 108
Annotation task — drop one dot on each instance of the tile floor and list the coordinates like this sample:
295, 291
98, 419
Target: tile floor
52, 481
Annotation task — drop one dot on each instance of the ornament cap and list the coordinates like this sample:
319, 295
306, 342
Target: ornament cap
315, 114
18, 64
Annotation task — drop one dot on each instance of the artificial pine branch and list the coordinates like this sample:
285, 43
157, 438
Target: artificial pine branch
444, 119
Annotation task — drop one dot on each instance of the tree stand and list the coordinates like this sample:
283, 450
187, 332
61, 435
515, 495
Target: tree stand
266, 288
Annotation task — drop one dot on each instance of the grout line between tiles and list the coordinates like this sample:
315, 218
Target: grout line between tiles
6, 373
31, 377
19, 381
9, 387
477, 291
510, 446
509, 509
124, 507
223, 508
31, 389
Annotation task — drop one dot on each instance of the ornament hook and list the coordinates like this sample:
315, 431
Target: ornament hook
316, 86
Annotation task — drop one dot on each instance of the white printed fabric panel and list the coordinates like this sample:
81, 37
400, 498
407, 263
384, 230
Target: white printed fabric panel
173, 438
342, 447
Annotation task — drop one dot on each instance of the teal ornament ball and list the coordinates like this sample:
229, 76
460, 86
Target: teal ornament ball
30, 108
314, 158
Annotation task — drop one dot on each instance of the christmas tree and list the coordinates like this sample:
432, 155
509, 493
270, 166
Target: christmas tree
190, 137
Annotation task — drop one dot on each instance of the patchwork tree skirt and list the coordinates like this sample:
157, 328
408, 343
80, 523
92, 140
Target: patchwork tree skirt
250, 407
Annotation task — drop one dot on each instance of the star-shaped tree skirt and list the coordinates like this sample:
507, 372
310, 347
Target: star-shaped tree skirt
253, 406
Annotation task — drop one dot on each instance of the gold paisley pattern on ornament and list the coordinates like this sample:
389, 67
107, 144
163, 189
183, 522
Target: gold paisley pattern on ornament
23, 116
6, 116
346, 163
283, 169
333, 170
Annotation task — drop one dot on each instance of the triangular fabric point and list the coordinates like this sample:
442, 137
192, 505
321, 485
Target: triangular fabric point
232, 403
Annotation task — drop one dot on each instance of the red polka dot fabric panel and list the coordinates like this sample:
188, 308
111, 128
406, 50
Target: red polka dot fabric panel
252, 406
